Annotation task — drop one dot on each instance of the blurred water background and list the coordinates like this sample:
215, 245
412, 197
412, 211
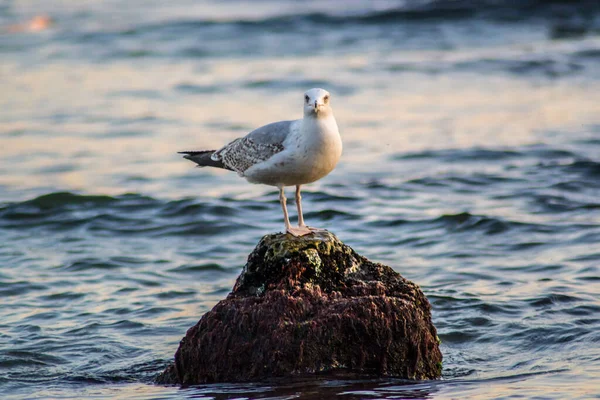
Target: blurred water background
471, 165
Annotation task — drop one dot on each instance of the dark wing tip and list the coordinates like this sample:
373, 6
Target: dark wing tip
189, 154
194, 155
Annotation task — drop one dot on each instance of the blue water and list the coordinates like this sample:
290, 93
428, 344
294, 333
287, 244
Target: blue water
471, 165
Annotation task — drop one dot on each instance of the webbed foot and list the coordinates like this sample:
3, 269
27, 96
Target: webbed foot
299, 231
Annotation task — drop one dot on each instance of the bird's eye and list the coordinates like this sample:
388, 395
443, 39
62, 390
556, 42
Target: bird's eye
326, 99
306, 98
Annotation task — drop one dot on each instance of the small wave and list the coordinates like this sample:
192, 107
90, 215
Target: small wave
471, 183
466, 221
571, 29
458, 223
96, 379
175, 294
140, 94
204, 228
590, 141
592, 54
467, 155
556, 203
570, 186
191, 207
330, 214
585, 167
587, 257
302, 84
28, 359
128, 260
140, 371
547, 337
588, 171
19, 288
94, 327
88, 264
478, 154
125, 324
458, 337
584, 310
153, 311
67, 296
552, 299
195, 268
534, 67
526, 245
119, 133
280, 83
429, 182
191, 88
326, 196
393, 222
442, 300
65, 199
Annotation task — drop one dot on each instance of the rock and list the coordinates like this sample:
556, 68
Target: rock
306, 306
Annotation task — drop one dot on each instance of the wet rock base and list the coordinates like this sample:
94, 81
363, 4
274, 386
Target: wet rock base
308, 306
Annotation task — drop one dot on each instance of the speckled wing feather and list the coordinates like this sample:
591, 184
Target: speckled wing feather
256, 147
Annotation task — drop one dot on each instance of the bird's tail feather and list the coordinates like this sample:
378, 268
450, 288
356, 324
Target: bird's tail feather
202, 158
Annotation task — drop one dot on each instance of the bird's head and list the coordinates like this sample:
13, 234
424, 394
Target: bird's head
317, 103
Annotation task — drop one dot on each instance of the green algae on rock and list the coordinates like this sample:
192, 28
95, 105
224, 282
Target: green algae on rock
311, 305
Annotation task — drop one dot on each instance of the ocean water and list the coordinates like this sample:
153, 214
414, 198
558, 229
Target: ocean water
471, 166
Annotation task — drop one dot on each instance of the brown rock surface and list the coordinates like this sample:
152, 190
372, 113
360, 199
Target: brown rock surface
310, 305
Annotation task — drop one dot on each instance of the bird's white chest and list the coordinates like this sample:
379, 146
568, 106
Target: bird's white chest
312, 151
316, 145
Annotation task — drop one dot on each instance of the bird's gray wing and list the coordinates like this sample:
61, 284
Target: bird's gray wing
256, 147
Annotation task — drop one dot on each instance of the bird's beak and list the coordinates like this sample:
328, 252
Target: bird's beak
316, 106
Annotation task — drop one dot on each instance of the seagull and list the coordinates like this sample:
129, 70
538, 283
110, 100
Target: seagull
284, 153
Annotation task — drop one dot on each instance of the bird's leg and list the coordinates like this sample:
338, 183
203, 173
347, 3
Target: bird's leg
301, 223
299, 231
299, 206
283, 202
